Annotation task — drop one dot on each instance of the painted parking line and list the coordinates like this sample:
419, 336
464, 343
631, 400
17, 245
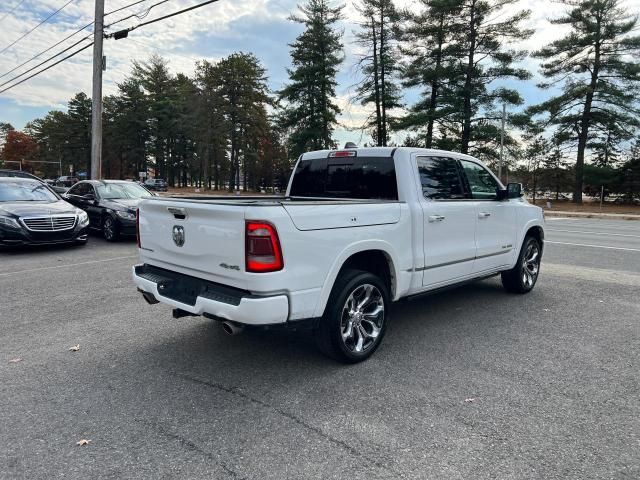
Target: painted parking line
66, 265
594, 246
593, 233
598, 275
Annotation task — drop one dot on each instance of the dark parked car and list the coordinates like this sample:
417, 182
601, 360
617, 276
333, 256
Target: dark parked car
21, 174
157, 184
66, 181
32, 214
110, 204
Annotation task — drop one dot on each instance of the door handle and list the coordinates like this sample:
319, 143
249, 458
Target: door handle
435, 218
484, 215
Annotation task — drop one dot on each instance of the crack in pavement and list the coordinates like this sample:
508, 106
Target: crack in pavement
190, 445
237, 392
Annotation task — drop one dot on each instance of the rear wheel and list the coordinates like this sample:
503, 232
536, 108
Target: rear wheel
522, 278
110, 229
356, 317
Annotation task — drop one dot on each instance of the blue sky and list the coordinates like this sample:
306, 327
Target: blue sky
259, 26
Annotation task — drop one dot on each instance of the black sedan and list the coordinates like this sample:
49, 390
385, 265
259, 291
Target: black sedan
32, 214
110, 204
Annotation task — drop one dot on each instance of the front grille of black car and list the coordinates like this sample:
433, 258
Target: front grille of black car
54, 223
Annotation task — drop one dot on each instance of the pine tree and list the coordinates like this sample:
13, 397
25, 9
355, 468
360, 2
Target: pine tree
378, 66
310, 109
78, 132
484, 33
156, 80
245, 95
599, 77
431, 64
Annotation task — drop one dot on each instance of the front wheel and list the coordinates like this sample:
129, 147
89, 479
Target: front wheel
110, 229
522, 278
356, 317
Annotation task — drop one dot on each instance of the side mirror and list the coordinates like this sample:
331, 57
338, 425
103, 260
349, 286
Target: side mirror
513, 190
89, 197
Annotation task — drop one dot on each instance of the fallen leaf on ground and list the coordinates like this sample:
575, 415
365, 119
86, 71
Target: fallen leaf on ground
15, 360
75, 348
83, 442
469, 400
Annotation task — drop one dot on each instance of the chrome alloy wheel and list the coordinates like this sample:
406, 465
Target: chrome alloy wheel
362, 318
530, 265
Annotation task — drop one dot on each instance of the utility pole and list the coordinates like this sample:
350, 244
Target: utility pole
96, 97
504, 114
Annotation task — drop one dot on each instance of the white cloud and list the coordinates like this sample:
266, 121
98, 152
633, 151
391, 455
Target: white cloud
209, 32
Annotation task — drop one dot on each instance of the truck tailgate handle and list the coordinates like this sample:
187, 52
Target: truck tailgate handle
484, 215
435, 218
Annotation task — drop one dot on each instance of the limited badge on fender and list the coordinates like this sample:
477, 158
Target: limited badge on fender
178, 235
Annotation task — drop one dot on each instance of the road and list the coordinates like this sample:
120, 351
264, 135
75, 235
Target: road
471, 383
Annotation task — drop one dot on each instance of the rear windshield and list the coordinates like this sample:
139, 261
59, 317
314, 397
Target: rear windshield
348, 177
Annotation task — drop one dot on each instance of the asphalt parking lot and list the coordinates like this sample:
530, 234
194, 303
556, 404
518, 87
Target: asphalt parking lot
471, 383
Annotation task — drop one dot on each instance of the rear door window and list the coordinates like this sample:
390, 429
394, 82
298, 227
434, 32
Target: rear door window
440, 178
346, 177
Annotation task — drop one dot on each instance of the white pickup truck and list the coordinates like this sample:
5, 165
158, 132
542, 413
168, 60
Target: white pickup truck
357, 229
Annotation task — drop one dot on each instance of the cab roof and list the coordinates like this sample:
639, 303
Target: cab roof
385, 152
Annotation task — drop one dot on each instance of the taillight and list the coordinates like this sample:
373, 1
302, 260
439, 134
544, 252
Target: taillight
262, 249
138, 227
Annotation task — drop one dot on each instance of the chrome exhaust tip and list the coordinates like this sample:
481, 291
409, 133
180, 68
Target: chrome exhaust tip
232, 328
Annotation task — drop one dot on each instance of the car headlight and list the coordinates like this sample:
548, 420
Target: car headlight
126, 215
83, 218
9, 222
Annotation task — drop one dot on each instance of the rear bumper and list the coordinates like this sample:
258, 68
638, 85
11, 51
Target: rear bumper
200, 297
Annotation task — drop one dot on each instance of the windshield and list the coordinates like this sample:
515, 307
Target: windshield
112, 191
21, 191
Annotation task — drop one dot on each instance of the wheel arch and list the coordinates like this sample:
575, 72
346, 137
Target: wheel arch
376, 257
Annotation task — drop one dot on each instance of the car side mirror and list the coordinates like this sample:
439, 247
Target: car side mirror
513, 190
89, 197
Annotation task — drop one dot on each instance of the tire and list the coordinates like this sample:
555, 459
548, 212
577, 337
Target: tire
352, 338
522, 278
110, 229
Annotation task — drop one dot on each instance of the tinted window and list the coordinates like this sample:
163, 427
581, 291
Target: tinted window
440, 178
481, 182
79, 189
25, 191
349, 177
121, 190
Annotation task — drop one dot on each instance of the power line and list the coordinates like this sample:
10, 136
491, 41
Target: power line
12, 10
123, 33
72, 35
42, 22
47, 68
44, 61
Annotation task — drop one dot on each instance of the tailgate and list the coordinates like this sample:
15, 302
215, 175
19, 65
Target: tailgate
195, 237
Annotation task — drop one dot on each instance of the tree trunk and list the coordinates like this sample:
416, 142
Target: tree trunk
376, 85
433, 100
585, 119
383, 93
466, 109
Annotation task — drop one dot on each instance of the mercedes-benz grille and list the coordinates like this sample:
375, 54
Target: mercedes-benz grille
54, 223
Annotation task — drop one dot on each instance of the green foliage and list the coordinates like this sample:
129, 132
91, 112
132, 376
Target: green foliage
378, 66
599, 77
310, 110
